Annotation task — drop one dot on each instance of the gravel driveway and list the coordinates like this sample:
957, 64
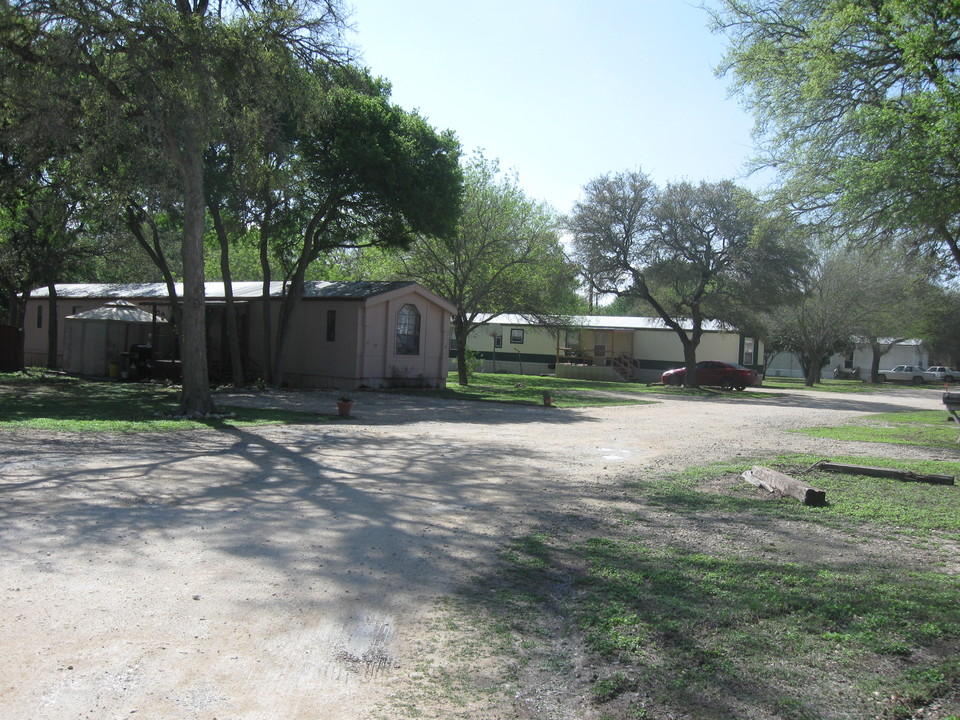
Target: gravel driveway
288, 572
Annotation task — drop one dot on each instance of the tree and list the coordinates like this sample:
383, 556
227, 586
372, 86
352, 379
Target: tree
690, 252
369, 174
822, 323
505, 257
891, 298
164, 65
858, 105
940, 325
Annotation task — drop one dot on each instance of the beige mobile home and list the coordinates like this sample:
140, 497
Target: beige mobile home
601, 347
344, 335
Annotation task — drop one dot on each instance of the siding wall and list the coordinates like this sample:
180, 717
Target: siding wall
654, 350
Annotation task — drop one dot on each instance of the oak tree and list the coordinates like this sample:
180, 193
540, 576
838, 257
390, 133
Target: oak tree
504, 257
690, 252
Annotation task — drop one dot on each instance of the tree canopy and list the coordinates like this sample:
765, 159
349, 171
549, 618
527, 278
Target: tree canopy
242, 122
504, 257
160, 70
857, 103
690, 252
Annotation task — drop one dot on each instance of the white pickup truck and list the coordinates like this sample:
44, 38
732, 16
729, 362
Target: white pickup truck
906, 373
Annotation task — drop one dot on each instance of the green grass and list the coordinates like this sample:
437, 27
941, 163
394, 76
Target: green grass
529, 389
918, 509
928, 428
660, 626
44, 401
827, 385
566, 392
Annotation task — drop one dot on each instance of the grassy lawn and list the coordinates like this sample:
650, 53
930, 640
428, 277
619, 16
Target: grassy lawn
38, 400
648, 623
648, 619
566, 392
929, 428
830, 385
527, 389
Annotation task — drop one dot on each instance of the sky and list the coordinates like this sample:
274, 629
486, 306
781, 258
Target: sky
563, 91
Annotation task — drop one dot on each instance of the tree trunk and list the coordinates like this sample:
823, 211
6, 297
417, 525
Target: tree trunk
265, 296
460, 332
52, 325
18, 314
813, 374
875, 364
233, 333
155, 252
293, 292
195, 399
292, 297
879, 350
690, 379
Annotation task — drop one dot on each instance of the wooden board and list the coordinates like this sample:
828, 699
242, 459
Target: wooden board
905, 475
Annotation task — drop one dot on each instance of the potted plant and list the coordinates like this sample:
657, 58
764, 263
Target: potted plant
547, 398
344, 404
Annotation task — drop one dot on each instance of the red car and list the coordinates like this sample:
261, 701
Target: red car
712, 372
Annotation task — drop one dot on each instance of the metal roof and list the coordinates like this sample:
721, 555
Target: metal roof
215, 290
608, 322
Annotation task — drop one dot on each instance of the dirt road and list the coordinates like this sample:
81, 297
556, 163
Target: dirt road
289, 572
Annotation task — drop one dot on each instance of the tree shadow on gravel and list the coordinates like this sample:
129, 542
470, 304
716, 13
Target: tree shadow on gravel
363, 515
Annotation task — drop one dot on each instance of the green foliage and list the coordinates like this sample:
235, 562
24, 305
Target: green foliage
505, 256
474, 362
688, 252
820, 323
856, 106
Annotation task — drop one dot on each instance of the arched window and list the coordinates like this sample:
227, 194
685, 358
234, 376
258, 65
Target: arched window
408, 330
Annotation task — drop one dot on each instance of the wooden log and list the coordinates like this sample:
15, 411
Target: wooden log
905, 475
775, 481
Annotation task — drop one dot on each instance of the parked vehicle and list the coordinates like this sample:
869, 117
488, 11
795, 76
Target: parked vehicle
716, 373
905, 373
942, 373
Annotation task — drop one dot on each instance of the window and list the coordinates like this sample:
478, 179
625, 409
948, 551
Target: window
516, 336
39, 316
331, 325
408, 330
498, 341
748, 351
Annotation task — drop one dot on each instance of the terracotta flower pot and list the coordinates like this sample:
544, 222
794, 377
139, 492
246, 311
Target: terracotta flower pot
343, 407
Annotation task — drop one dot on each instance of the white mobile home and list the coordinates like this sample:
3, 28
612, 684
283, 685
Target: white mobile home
600, 347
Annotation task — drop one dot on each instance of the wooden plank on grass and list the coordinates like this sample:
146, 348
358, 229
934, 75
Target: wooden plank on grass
776, 481
894, 473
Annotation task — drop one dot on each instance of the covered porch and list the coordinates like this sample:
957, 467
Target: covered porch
597, 354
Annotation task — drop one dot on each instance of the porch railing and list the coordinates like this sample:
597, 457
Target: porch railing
623, 363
